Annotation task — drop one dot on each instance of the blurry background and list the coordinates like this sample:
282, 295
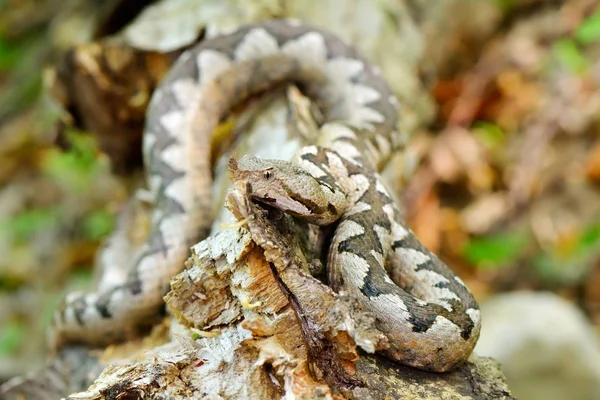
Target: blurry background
501, 176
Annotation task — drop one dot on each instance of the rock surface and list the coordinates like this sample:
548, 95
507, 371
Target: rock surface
547, 348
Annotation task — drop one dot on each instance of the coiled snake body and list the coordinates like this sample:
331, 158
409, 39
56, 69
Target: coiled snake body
430, 318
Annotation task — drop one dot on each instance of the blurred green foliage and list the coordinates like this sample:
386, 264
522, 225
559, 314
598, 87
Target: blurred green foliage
489, 134
570, 50
75, 170
20, 71
566, 261
570, 261
25, 224
589, 30
10, 54
98, 224
495, 251
569, 55
12, 334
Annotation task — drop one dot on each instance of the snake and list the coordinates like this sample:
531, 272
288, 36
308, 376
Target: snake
431, 319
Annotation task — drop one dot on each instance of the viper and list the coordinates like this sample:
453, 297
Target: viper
430, 318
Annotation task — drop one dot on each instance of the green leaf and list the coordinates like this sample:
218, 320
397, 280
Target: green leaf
490, 135
589, 30
589, 239
98, 224
76, 168
12, 335
26, 223
495, 251
9, 55
570, 56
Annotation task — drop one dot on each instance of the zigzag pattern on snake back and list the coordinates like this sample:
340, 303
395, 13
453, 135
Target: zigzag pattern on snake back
204, 85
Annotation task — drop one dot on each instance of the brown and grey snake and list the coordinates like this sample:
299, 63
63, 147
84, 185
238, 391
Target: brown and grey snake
430, 318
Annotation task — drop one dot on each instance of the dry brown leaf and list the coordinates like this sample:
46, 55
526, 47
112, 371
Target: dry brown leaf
486, 211
426, 221
592, 164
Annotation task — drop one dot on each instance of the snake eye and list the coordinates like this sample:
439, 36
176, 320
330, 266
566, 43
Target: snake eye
267, 174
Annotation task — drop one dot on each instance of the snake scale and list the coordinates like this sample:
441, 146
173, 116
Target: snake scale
430, 318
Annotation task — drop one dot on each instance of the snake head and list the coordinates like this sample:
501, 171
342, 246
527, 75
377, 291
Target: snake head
282, 185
